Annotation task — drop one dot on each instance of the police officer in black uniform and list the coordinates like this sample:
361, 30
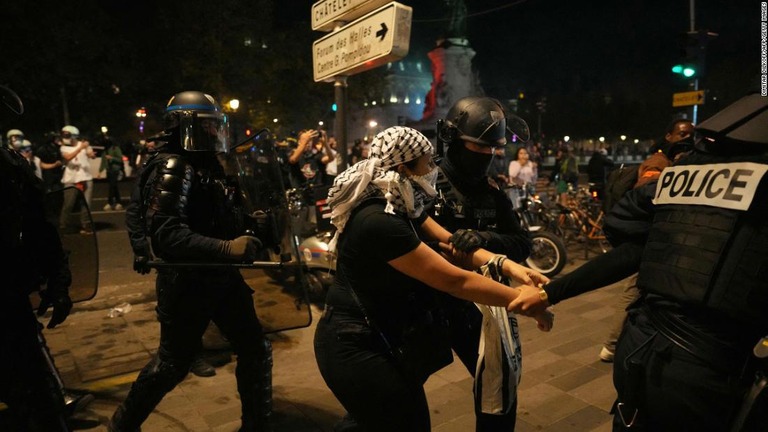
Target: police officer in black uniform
472, 206
185, 210
33, 256
698, 235
684, 360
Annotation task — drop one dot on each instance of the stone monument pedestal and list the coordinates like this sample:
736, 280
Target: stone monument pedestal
452, 79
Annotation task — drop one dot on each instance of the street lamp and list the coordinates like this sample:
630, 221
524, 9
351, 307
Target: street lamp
234, 104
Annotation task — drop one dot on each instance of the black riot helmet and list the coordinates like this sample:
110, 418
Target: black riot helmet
742, 125
481, 120
199, 121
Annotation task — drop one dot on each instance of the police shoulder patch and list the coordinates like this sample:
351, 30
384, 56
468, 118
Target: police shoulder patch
727, 185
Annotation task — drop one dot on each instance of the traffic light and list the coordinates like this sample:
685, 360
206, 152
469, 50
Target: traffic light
687, 70
693, 49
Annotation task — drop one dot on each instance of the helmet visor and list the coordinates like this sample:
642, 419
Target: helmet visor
519, 128
201, 131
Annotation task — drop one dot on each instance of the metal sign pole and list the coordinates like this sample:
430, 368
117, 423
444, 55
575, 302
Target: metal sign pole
340, 126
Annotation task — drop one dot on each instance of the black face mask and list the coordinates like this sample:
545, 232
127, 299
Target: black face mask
472, 164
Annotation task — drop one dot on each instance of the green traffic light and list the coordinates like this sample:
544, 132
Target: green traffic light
685, 70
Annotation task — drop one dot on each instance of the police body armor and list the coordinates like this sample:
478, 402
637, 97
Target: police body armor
455, 210
712, 256
216, 210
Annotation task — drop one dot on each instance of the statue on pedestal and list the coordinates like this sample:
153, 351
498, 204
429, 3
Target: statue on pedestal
457, 22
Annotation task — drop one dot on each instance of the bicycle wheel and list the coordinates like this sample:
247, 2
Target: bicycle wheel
548, 255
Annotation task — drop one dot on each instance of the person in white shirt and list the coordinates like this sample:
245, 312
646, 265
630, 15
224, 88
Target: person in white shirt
77, 172
522, 170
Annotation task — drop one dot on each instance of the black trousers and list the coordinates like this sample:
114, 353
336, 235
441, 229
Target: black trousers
367, 382
186, 302
465, 324
114, 187
26, 383
675, 390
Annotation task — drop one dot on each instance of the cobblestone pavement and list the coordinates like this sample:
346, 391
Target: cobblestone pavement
565, 387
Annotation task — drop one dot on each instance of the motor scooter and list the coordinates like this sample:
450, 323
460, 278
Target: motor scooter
311, 215
548, 254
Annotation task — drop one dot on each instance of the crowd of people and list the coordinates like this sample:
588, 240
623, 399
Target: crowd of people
428, 249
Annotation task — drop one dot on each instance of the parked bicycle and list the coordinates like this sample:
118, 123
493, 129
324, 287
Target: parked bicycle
580, 220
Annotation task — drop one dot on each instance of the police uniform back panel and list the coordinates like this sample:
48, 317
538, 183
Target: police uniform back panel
708, 247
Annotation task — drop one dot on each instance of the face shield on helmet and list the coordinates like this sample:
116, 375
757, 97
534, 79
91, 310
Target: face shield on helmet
742, 125
201, 124
202, 131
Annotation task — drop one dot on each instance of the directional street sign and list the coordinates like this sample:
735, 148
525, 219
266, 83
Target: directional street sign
380, 37
326, 13
688, 98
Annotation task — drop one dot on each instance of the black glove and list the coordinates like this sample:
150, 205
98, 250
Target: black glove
141, 264
61, 303
243, 248
469, 240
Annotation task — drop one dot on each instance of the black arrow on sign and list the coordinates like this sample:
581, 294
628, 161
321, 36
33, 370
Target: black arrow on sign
383, 32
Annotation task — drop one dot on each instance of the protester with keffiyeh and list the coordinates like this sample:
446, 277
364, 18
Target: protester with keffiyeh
385, 281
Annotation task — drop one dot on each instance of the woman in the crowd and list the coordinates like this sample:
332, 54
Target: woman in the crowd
386, 281
522, 170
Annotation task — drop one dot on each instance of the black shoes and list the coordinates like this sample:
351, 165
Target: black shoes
347, 424
202, 368
75, 402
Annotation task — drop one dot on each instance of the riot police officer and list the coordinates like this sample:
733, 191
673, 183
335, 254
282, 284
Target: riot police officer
687, 348
184, 209
684, 360
33, 255
472, 206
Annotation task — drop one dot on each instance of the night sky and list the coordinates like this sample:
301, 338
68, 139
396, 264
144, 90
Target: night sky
604, 66
574, 52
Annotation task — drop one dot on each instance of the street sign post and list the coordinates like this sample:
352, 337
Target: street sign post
327, 13
380, 37
688, 98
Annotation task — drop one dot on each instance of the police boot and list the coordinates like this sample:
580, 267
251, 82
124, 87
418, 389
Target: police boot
254, 383
76, 401
116, 421
156, 379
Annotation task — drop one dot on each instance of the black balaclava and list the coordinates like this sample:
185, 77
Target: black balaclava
465, 168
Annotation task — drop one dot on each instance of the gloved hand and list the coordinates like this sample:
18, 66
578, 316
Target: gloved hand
469, 240
141, 264
61, 303
243, 248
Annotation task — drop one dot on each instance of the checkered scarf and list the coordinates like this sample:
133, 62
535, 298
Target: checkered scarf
375, 175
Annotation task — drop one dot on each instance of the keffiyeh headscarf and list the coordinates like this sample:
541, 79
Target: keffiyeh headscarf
390, 148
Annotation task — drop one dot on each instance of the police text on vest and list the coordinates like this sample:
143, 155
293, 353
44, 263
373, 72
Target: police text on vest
728, 185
